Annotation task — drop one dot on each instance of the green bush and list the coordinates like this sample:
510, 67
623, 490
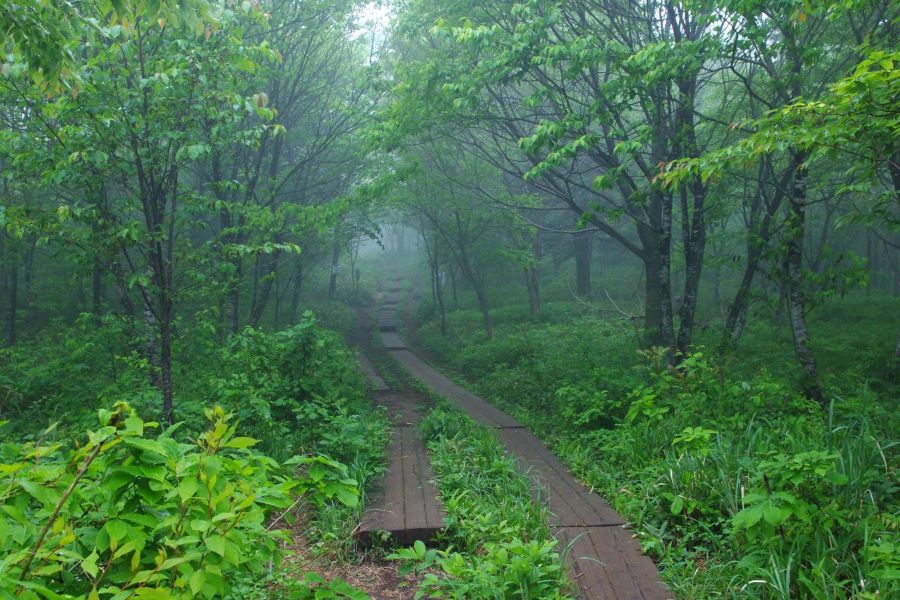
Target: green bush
130, 515
299, 390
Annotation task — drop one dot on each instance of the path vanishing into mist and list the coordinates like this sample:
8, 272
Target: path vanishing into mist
606, 561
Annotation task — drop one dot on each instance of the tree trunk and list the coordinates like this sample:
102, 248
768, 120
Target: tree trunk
13, 300
664, 273
652, 301
151, 329
234, 295
165, 358
795, 294
97, 290
582, 242
264, 292
485, 311
532, 284
122, 289
335, 257
295, 292
452, 272
28, 279
276, 313
438, 288
694, 250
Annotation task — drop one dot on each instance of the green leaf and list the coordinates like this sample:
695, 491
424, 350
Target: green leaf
216, 543
187, 487
241, 442
45, 495
774, 514
197, 581
89, 564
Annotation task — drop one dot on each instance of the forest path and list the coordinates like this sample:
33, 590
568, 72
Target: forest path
406, 505
605, 559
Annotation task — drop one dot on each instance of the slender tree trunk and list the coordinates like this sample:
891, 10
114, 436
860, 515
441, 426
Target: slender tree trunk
452, 273
234, 295
13, 300
694, 251
295, 292
582, 242
664, 273
277, 308
474, 279
795, 294
151, 330
737, 311
28, 279
869, 261
653, 321
257, 266
438, 288
335, 257
115, 268
97, 291
165, 357
432, 270
264, 290
532, 284
485, 311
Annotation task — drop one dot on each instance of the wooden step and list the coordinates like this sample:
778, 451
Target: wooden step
406, 507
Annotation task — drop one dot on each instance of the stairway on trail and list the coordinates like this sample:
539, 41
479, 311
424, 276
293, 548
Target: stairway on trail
605, 560
406, 505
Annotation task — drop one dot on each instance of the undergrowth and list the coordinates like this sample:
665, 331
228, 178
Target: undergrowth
735, 484
497, 541
131, 524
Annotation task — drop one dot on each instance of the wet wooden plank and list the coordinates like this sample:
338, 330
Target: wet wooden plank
407, 506
392, 340
607, 563
570, 503
376, 383
471, 404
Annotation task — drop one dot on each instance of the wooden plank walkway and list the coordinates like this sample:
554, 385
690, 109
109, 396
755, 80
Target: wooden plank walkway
406, 504
471, 404
376, 383
406, 507
606, 561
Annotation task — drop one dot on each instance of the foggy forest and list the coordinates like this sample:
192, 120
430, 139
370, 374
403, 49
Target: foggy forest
526, 299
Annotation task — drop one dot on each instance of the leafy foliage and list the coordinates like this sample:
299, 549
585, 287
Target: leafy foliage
128, 514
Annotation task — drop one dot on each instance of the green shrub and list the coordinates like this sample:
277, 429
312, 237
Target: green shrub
513, 570
299, 390
129, 515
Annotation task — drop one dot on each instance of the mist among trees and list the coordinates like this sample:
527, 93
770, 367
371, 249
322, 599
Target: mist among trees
662, 235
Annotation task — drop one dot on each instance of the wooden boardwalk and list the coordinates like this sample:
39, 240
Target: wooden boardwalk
606, 561
406, 505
